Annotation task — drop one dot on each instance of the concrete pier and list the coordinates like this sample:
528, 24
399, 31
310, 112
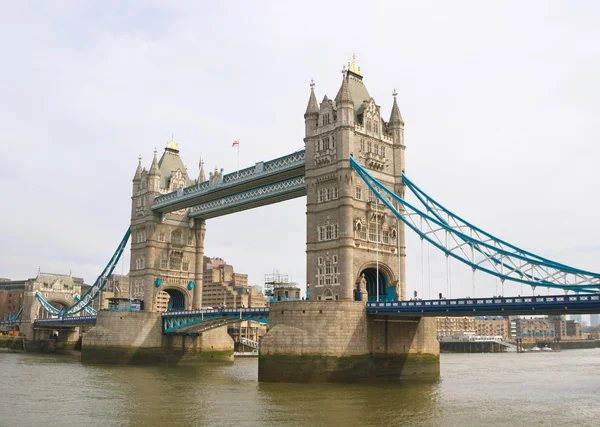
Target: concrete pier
135, 338
321, 341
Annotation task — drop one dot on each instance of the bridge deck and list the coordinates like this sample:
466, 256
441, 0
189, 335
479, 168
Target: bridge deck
504, 306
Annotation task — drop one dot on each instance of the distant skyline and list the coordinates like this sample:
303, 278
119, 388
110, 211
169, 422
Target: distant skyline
500, 102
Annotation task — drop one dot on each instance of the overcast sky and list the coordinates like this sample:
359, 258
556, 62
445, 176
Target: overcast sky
500, 99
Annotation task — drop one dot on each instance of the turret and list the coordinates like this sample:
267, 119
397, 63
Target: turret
154, 175
345, 103
396, 128
311, 115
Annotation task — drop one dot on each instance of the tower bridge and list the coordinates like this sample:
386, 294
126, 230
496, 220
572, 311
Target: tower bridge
352, 172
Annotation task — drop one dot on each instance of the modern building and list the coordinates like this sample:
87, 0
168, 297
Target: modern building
223, 287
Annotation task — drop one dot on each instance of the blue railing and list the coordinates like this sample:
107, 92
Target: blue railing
503, 306
176, 320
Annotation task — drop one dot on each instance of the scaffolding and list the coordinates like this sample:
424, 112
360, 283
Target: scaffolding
276, 281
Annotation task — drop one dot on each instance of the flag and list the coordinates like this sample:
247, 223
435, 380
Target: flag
236, 143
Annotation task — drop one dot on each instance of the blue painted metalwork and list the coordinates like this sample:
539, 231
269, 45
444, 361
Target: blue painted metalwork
157, 282
262, 193
94, 291
260, 170
88, 310
440, 211
12, 318
66, 321
176, 320
503, 306
191, 285
507, 266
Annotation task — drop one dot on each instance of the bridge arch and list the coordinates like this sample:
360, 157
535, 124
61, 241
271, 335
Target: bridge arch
387, 291
60, 304
178, 299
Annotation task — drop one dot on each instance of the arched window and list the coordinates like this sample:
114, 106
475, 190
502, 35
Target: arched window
368, 125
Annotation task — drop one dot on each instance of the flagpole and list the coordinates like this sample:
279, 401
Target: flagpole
238, 158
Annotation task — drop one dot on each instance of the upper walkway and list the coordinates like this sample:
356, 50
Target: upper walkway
262, 184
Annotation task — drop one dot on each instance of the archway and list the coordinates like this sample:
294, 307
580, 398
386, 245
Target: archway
176, 300
385, 293
43, 314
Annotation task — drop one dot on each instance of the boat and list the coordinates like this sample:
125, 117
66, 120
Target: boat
536, 348
546, 348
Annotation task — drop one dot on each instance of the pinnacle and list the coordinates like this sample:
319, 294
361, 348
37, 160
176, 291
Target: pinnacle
395, 116
312, 109
345, 96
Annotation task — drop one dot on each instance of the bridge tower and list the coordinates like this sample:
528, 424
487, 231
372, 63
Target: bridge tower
166, 249
355, 251
350, 237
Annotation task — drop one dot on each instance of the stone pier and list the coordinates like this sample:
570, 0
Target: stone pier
135, 338
320, 341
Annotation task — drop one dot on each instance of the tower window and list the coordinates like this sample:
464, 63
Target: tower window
358, 192
161, 236
176, 237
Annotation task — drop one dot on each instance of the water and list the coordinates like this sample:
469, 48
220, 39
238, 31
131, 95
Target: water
541, 389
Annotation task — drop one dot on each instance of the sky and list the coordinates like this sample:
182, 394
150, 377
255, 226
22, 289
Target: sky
500, 100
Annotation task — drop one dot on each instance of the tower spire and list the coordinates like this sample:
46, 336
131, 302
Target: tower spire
345, 96
138, 171
312, 109
395, 116
154, 167
201, 176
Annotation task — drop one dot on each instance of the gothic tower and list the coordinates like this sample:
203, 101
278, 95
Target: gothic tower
352, 239
166, 249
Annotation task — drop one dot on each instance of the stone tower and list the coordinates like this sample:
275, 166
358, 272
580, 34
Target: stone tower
353, 241
166, 249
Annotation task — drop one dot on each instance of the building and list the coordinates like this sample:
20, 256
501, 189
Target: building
12, 292
492, 326
11, 296
450, 326
223, 287
117, 286
573, 329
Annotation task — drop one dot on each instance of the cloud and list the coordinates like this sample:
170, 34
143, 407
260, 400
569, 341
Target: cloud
500, 104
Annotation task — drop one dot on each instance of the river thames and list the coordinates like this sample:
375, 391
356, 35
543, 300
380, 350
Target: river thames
534, 389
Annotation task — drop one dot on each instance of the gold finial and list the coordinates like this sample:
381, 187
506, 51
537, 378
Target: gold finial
171, 144
312, 84
395, 94
216, 170
352, 66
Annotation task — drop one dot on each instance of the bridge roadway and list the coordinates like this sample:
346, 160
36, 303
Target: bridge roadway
259, 185
193, 322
